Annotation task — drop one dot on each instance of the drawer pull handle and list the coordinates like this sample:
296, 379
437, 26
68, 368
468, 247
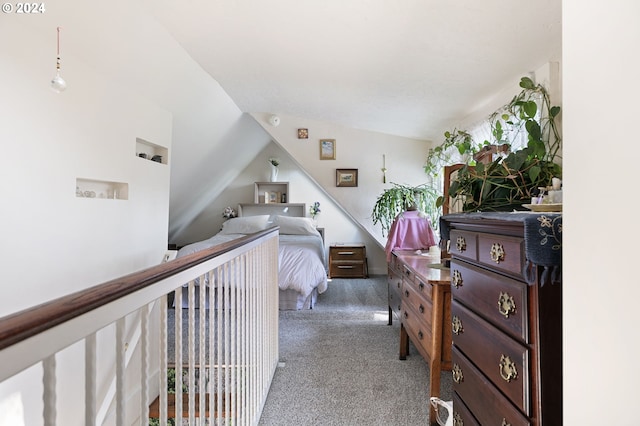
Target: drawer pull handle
457, 419
421, 309
456, 279
456, 325
506, 304
399, 284
406, 315
406, 293
497, 252
420, 335
345, 267
348, 253
456, 372
461, 244
507, 369
421, 286
505, 422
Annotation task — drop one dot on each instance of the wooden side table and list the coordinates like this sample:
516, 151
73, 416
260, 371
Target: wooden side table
348, 260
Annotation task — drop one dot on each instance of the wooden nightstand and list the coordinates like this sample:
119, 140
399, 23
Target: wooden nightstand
348, 260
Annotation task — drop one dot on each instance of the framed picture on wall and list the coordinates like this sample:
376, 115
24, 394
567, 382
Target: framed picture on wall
346, 177
327, 149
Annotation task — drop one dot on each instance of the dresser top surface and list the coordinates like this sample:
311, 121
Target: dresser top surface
425, 265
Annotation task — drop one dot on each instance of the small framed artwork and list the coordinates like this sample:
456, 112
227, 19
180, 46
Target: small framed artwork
303, 133
327, 149
346, 177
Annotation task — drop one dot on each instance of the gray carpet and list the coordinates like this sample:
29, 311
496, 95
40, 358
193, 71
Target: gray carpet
340, 366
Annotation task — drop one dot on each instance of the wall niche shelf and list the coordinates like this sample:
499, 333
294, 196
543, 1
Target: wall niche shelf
280, 189
150, 151
92, 188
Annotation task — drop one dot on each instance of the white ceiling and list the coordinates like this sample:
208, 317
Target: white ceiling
404, 67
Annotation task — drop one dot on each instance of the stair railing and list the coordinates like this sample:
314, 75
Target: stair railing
115, 347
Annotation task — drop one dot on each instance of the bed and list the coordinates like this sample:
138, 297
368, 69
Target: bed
302, 271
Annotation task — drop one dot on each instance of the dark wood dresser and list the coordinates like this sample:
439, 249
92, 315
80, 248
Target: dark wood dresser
420, 295
506, 317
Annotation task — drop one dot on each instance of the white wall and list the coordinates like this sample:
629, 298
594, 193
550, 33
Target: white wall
57, 243
127, 78
601, 284
355, 149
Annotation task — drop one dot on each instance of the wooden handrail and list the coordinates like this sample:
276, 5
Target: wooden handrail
29, 322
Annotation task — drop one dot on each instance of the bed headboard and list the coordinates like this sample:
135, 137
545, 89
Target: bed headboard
282, 209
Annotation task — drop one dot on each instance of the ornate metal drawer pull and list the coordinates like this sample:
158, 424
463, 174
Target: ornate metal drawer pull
461, 244
456, 325
456, 278
507, 368
406, 293
420, 335
457, 419
497, 252
421, 309
505, 422
506, 304
421, 286
456, 371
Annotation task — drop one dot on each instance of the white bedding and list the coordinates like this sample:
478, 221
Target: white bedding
301, 262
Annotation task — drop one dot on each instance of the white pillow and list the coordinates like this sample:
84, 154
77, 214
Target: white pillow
295, 225
245, 225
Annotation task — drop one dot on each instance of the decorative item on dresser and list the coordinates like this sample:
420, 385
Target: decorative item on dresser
506, 317
348, 260
419, 287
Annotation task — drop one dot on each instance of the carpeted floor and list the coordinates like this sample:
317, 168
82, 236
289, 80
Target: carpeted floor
339, 364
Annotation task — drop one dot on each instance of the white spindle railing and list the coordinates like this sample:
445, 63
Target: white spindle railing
230, 336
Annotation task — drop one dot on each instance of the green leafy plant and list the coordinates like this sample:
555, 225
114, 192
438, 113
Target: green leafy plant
508, 183
400, 198
455, 142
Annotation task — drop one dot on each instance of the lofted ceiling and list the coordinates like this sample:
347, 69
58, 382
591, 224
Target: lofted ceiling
411, 68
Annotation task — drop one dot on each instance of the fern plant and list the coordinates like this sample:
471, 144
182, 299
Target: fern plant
399, 198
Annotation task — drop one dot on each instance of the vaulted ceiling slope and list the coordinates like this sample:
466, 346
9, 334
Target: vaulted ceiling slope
411, 68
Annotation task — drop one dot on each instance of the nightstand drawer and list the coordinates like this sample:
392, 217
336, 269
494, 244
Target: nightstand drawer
347, 253
347, 270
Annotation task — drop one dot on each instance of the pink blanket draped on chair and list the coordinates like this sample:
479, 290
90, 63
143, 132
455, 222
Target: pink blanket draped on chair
410, 231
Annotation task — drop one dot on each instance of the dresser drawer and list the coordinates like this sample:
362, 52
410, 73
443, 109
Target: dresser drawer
488, 405
347, 253
500, 300
502, 253
418, 286
418, 303
461, 414
418, 330
394, 287
395, 264
501, 359
464, 244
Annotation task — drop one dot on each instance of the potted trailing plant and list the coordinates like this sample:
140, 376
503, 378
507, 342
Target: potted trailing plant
455, 142
509, 182
400, 198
